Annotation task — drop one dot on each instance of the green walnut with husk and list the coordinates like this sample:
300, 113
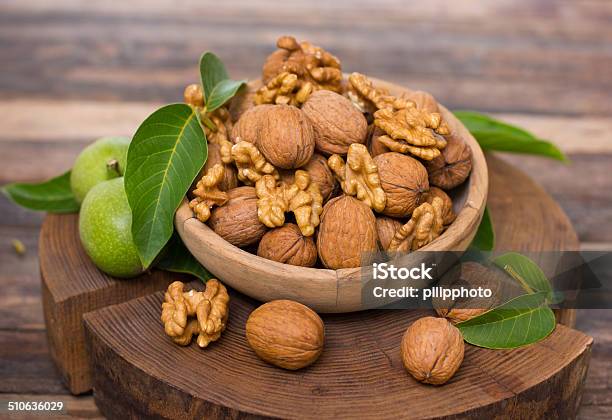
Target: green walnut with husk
102, 160
105, 221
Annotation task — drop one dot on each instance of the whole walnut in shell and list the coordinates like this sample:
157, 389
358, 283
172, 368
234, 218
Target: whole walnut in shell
320, 174
404, 181
247, 126
282, 133
432, 350
243, 100
346, 232
286, 334
386, 228
337, 123
286, 244
237, 220
453, 166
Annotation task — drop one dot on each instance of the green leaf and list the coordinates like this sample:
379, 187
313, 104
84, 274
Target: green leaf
525, 271
485, 236
521, 321
164, 157
177, 258
212, 71
222, 92
493, 134
53, 196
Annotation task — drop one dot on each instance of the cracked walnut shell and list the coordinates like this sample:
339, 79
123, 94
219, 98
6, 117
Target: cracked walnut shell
237, 220
207, 193
287, 245
424, 226
404, 181
210, 309
432, 350
337, 123
347, 232
286, 334
302, 198
453, 166
359, 176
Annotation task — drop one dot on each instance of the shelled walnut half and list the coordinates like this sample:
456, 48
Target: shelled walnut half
424, 226
185, 314
359, 176
303, 198
251, 164
207, 193
408, 128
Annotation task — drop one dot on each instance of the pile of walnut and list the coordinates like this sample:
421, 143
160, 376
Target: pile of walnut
311, 169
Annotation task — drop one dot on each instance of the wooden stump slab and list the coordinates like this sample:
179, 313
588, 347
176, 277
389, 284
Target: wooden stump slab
71, 286
138, 372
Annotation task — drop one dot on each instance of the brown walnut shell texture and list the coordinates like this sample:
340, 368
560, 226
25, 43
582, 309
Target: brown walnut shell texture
432, 350
243, 100
346, 232
453, 166
386, 228
237, 220
337, 123
376, 147
286, 138
286, 334
404, 180
247, 126
286, 244
230, 177
320, 174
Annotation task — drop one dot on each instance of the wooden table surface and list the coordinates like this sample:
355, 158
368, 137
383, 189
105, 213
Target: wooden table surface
72, 71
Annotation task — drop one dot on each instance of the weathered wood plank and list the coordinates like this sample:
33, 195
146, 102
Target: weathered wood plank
583, 188
26, 365
76, 121
20, 306
553, 53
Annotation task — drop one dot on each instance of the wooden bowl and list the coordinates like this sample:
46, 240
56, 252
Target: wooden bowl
321, 289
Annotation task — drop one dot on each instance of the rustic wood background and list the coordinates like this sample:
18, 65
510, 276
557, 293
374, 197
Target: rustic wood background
73, 71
